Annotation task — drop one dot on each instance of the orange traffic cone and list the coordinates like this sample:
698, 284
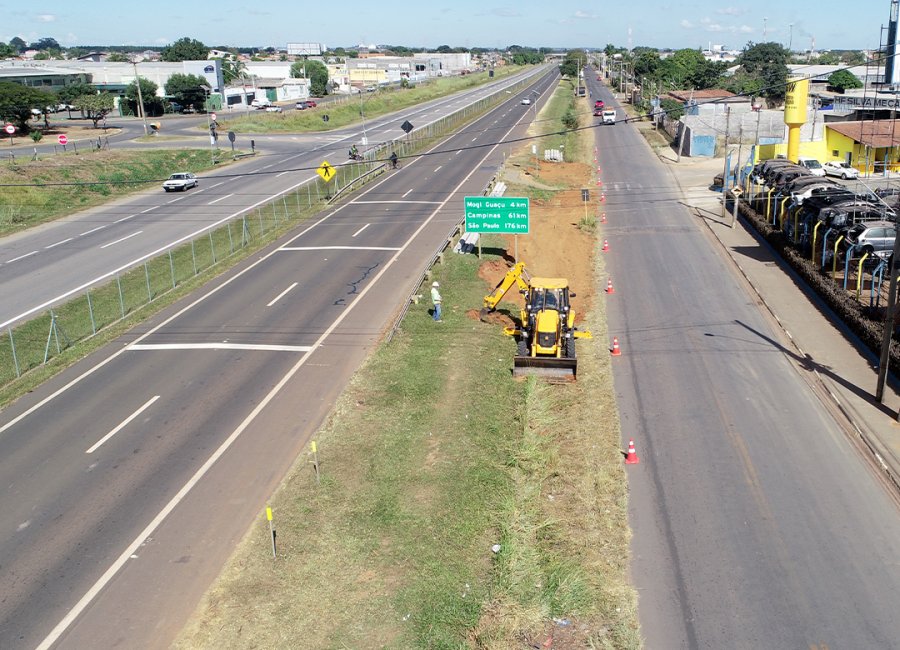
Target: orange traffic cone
598, 182
603, 218
609, 287
631, 458
616, 352
605, 246
602, 196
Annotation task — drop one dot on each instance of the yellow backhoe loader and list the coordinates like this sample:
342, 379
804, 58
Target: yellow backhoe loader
546, 333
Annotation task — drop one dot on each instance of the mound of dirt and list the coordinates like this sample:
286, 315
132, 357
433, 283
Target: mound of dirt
556, 245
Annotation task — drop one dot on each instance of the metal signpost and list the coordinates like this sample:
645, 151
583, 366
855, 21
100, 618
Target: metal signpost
497, 214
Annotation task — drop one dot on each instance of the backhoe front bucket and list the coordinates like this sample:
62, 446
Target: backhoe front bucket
549, 367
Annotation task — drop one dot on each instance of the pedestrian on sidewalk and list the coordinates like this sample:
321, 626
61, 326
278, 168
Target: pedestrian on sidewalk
436, 301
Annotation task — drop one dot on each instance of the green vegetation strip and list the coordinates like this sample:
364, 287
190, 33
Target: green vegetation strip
457, 507
93, 178
364, 106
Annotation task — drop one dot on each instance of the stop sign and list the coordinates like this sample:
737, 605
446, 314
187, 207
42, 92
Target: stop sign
62, 139
9, 128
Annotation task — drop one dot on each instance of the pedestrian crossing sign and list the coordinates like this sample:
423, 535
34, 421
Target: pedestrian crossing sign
326, 171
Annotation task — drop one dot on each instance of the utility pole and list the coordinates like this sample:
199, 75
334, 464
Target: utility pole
725, 165
888, 328
137, 82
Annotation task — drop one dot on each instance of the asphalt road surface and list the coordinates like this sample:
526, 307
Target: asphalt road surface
129, 478
45, 265
756, 522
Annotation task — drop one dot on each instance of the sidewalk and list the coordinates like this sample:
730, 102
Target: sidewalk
845, 368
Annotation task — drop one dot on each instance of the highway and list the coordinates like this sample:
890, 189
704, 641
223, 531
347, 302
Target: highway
129, 478
45, 265
756, 522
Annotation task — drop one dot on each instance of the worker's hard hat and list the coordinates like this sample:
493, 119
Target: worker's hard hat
435, 284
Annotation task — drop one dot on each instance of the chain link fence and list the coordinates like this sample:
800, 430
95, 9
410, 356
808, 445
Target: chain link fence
31, 343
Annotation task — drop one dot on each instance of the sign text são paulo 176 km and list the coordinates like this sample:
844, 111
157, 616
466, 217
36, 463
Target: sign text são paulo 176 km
497, 214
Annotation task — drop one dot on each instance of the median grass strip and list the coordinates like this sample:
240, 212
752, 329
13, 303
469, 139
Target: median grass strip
343, 111
33, 192
457, 507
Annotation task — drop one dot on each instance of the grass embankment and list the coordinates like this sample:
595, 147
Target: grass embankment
431, 457
34, 192
349, 110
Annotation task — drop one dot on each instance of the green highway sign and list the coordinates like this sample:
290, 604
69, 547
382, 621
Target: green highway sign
500, 214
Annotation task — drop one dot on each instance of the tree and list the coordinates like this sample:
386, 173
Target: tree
152, 104
841, 80
16, 102
68, 94
187, 89
232, 69
671, 107
829, 58
18, 44
185, 49
317, 74
117, 57
45, 44
767, 64
96, 106
571, 65
6, 51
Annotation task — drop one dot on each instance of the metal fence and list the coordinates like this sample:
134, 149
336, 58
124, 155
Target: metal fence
31, 343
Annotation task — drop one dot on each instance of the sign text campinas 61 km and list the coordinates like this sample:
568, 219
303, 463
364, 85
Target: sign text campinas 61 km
500, 214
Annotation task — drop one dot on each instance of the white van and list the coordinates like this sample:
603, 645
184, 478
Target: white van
609, 116
814, 166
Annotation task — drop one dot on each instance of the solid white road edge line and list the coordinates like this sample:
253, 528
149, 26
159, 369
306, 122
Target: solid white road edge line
339, 248
219, 346
122, 425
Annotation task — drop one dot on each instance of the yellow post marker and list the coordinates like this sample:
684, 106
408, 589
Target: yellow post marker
834, 257
859, 275
312, 446
271, 529
815, 234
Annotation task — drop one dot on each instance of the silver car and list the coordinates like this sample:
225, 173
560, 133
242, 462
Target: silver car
874, 237
840, 169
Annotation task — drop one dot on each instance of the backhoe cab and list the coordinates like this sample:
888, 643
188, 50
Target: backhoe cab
546, 333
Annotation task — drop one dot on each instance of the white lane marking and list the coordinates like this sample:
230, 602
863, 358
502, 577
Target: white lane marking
338, 248
407, 193
216, 185
474, 139
134, 234
149, 209
122, 425
404, 202
360, 230
58, 243
88, 232
265, 167
458, 151
143, 347
281, 295
221, 198
438, 168
21, 257
114, 568
282, 173
152, 254
124, 218
178, 199
196, 191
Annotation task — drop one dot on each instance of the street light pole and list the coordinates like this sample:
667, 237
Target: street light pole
790, 37
137, 82
209, 126
362, 113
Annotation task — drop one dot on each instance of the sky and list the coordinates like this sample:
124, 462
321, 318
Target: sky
837, 24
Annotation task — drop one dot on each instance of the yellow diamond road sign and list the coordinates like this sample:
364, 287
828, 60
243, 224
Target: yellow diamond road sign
326, 171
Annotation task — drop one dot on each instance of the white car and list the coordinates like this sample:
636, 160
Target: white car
273, 109
260, 102
609, 116
813, 165
526, 102
840, 169
180, 181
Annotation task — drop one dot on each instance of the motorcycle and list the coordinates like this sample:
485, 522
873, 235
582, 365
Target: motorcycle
355, 156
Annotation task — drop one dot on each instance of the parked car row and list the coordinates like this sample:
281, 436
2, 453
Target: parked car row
809, 207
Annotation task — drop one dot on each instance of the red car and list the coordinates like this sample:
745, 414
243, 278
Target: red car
311, 103
598, 105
